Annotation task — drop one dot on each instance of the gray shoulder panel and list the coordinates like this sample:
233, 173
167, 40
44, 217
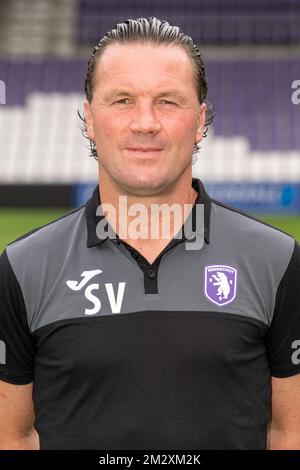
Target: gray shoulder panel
37, 258
262, 250
61, 278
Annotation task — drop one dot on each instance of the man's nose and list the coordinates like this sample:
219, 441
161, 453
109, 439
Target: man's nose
145, 119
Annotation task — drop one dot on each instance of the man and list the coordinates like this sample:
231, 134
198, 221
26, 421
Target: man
119, 342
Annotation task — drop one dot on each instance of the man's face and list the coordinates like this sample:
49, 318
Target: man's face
145, 116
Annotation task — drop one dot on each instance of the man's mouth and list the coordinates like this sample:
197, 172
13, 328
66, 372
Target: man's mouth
144, 149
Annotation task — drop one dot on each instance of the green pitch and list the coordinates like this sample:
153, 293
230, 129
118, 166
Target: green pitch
290, 224
16, 222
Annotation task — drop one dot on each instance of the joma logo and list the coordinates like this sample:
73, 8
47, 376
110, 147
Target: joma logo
115, 298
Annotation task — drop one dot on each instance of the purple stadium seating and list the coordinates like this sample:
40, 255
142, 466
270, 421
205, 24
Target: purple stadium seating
208, 21
252, 98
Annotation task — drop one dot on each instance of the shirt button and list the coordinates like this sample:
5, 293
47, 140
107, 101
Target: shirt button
151, 273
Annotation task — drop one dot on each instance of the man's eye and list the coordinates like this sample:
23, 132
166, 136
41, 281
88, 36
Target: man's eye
122, 101
167, 102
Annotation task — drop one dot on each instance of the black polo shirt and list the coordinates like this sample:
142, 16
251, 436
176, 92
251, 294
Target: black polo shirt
177, 354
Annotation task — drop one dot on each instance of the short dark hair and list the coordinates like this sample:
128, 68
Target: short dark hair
155, 31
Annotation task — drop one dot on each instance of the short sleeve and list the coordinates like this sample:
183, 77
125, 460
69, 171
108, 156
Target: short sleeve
17, 348
283, 336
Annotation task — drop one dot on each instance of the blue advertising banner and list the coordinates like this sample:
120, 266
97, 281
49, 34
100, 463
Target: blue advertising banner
268, 198
264, 197
82, 192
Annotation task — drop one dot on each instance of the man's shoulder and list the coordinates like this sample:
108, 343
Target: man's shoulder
245, 223
47, 237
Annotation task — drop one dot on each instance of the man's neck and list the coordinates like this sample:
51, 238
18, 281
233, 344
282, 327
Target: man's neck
147, 229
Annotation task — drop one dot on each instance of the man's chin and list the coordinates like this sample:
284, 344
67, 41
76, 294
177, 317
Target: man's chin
146, 186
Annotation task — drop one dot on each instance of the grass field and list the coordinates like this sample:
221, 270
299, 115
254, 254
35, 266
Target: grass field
16, 222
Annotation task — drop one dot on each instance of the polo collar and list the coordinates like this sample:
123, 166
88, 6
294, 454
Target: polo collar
93, 217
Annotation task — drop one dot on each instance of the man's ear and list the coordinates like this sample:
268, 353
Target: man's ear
201, 123
89, 119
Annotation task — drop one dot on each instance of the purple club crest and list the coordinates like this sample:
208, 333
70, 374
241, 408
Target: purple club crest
220, 284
